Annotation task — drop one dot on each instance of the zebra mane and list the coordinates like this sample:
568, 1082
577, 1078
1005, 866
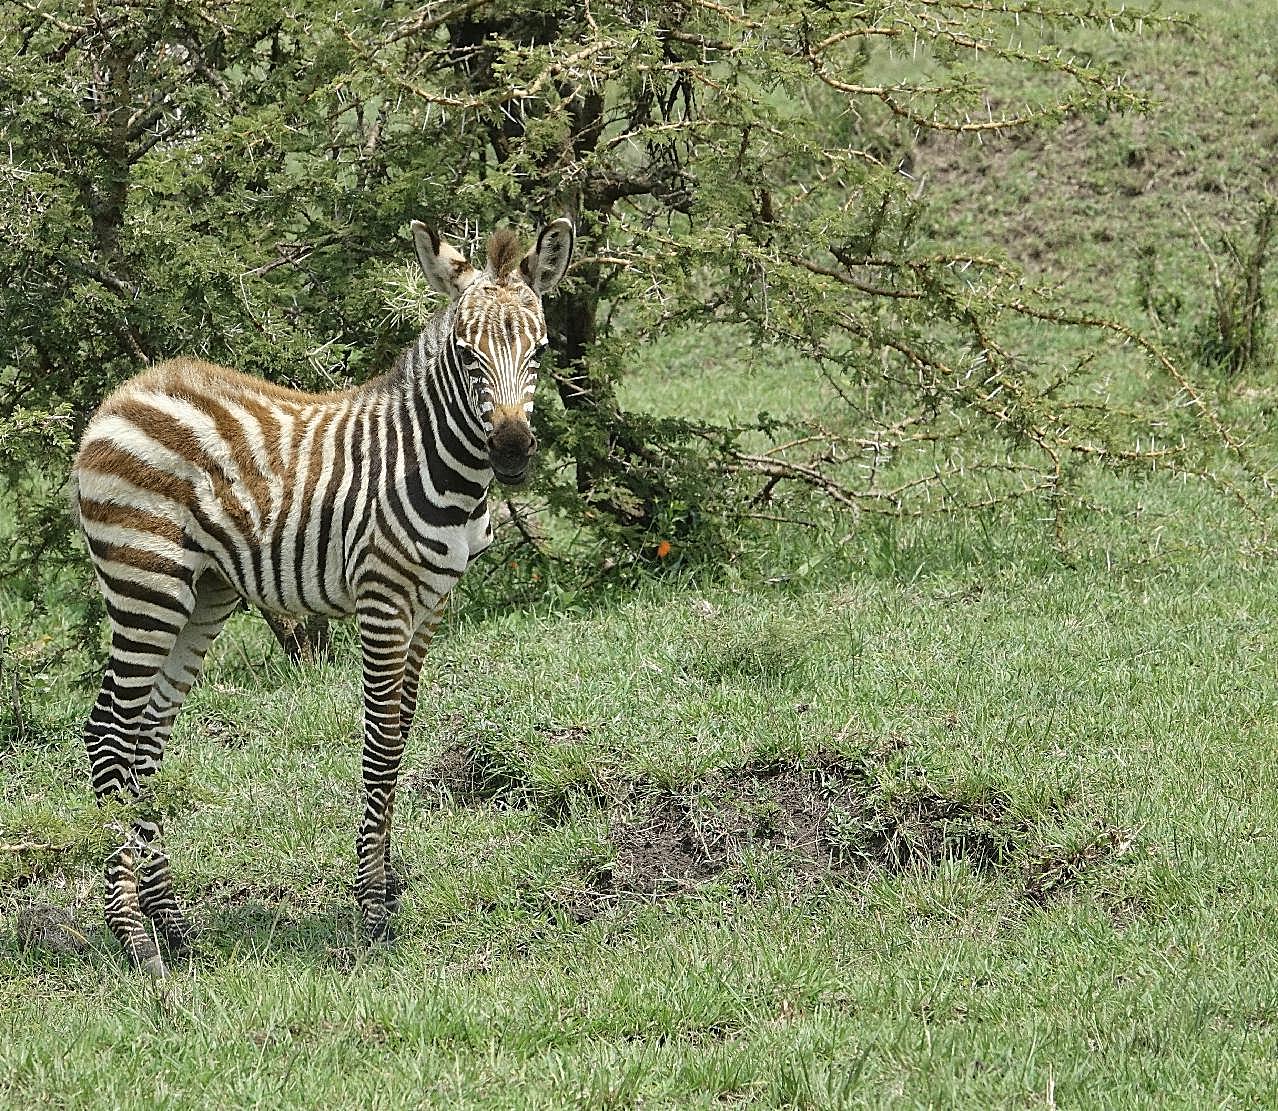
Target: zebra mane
504, 252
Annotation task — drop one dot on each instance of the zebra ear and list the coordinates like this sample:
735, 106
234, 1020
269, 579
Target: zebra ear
444, 266
547, 262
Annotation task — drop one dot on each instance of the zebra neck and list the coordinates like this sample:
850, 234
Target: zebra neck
433, 396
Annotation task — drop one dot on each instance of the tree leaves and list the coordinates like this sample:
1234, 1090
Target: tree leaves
236, 180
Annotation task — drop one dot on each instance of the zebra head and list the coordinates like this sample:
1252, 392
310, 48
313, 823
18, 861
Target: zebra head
498, 329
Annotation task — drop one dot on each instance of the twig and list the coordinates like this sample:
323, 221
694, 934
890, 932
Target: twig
519, 517
424, 23
18, 729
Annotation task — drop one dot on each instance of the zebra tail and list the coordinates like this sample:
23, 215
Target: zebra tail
72, 491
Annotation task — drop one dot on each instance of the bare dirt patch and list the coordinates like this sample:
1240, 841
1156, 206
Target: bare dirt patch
671, 839
825, 816
468, 772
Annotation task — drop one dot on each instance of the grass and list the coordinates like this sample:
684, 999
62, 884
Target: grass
1136, 703
918, 813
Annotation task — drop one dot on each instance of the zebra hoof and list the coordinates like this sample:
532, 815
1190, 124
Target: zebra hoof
144, 955
146, 958
180, 943
380, 934
155, 967
394, 889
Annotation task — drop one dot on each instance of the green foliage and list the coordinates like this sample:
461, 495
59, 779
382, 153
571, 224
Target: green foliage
233, 181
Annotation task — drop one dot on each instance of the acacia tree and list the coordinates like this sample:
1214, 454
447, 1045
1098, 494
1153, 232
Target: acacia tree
233, 180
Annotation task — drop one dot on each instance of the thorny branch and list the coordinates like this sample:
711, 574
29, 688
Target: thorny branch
699, 197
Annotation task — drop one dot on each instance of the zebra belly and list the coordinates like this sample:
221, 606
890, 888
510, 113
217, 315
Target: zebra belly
286, 565
336, 603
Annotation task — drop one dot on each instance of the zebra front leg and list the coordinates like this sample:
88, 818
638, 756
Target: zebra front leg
384, 642
407, 709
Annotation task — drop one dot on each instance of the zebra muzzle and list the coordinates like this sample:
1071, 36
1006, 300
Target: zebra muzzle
510, 450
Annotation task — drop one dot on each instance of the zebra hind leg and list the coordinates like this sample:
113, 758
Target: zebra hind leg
215, 601
140, 644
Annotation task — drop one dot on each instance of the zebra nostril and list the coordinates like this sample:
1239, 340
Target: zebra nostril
512, 438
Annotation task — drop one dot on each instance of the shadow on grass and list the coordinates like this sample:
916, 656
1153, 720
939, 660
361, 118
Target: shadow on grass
325, 933
55, 938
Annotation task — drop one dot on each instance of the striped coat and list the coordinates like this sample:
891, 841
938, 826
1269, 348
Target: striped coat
198, 488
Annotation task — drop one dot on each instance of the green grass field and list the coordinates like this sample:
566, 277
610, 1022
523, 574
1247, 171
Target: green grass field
926, 813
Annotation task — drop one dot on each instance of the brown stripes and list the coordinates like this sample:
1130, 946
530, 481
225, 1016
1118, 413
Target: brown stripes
272, 431
303, 423
160, 426
137, 558
106, 459
315, 465
231, 433
328, 505
168, 433
125, 516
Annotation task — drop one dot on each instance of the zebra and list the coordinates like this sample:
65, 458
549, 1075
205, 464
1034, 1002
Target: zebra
199, 489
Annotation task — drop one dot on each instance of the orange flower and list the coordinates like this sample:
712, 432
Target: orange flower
663, 549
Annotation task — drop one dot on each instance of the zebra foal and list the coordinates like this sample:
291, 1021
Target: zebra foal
198, 488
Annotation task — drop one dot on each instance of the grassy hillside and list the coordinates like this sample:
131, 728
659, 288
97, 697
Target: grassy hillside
926, 813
